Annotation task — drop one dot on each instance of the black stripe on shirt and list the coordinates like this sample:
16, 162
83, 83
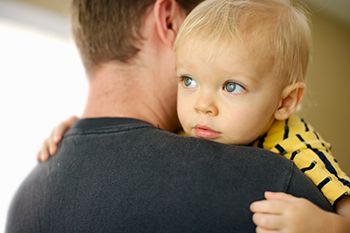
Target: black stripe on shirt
286, 129
280, 149
339, 199
308, 168
326, 162
294, 154
330, 167
323, 183
321, 141
262, 140
305, 124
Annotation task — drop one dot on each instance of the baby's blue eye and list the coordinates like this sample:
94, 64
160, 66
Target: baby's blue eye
233, 88
189, 82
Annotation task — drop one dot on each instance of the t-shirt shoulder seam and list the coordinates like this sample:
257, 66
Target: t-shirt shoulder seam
105, 130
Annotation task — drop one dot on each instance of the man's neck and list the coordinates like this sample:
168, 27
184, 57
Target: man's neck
121, 92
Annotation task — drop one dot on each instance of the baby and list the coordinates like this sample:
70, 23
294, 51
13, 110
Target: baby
241, 67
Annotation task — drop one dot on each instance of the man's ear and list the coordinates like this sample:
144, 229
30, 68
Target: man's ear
169, 17
291, 96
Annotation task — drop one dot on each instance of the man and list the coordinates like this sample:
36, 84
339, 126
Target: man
118, 169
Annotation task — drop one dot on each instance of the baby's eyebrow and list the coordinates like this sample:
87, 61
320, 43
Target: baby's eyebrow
183, 66
178, 66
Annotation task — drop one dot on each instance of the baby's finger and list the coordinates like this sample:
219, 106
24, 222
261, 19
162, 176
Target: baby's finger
42, 156
269, 206
62, 128
270, 222
263, 230
57, 134
43, 153
49, 145
279, 196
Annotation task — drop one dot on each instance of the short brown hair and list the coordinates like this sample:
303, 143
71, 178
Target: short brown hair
106, 30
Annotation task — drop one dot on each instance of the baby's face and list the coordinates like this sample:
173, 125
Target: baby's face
231, 98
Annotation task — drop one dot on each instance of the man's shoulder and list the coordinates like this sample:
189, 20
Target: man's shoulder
134, 168
191, 145
138, 144
108, 135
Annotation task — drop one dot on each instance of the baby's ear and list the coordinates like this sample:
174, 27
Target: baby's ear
291, 96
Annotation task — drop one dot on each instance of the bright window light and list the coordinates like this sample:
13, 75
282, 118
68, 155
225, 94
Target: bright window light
42, 82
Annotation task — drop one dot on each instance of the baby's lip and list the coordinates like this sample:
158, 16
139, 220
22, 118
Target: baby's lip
204, 131
199, 126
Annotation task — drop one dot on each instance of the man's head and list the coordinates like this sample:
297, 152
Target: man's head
126, 48
241, 65
111, 29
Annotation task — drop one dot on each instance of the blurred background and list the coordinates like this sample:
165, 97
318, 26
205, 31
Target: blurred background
42, 81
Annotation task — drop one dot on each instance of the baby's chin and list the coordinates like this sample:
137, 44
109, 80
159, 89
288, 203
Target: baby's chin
227, 141
219, 140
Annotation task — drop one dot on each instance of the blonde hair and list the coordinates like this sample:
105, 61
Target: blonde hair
282, 28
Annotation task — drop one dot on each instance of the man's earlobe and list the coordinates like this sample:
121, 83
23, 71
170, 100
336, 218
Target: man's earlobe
291, 97
169, 17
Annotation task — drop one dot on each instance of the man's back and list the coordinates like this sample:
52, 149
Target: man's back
124, 175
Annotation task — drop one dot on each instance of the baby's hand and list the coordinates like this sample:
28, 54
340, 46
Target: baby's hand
49, 146
281, 212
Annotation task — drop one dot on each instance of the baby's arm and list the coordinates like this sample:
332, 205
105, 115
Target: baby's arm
49, 146
281, 212
312, 156
343, 209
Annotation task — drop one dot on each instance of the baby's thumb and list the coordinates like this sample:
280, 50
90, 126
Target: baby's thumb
278, 196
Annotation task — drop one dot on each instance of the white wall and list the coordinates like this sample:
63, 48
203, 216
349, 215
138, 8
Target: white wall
42, 82
326, 105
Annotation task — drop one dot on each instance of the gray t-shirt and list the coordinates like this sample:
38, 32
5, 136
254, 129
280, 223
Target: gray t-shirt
124, 175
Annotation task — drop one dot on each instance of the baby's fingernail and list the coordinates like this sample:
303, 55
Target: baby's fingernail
52, 150
42, 156
56, 138
268, 193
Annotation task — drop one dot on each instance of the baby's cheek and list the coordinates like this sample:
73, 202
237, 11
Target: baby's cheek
186, 127
180, 114
183, 121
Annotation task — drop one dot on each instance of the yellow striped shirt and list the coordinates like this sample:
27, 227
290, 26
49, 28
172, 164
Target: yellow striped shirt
298, 141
